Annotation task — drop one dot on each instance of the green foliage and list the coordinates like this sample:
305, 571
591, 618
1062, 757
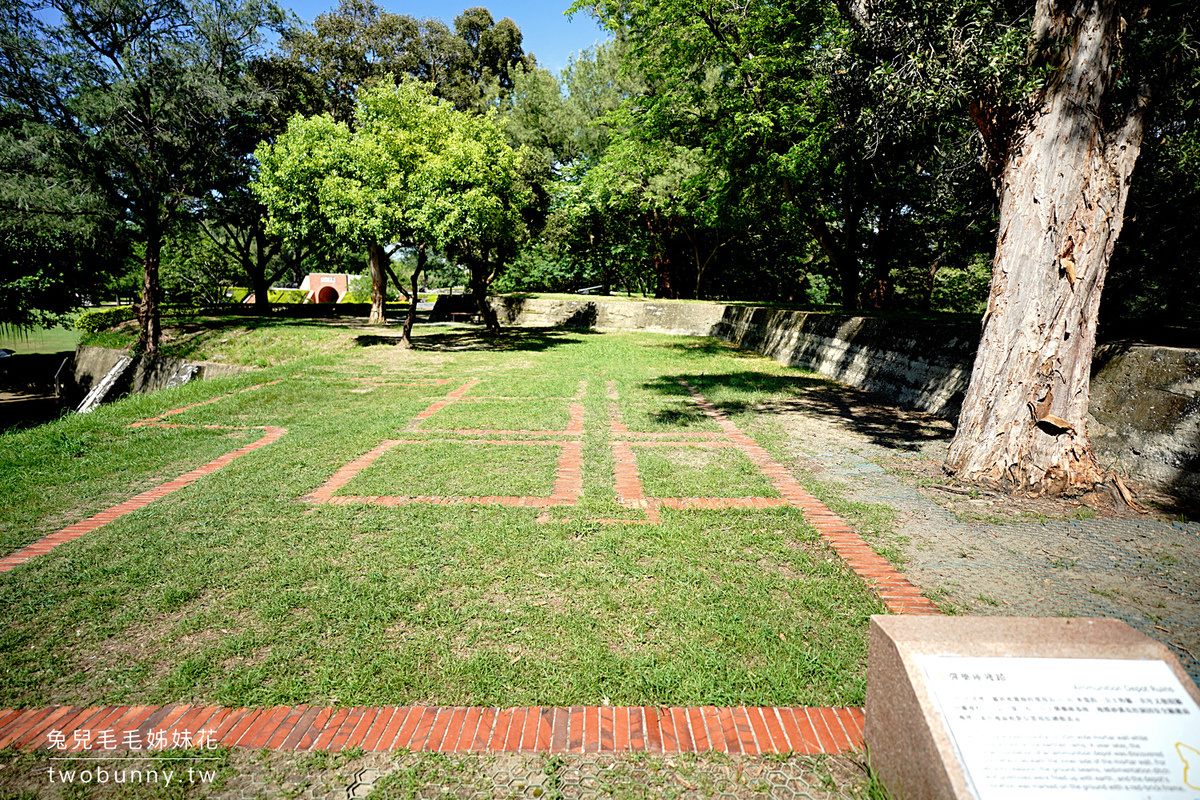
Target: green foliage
768, 154
348, 48
411, 171
142, 107
59, 242
1153, 276
195, 269
101, 319
963, 290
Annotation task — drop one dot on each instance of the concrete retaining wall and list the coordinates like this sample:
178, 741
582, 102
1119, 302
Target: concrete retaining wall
1145, 414
920, 365
685, 319
146, 375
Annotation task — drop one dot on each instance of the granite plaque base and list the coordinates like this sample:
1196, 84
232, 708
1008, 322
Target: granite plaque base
997, 707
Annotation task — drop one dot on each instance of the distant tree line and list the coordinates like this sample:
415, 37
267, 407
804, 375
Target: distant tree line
1004, 158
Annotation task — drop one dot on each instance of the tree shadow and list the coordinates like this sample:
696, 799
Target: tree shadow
709, 346
867, 414
678, 417
530, 340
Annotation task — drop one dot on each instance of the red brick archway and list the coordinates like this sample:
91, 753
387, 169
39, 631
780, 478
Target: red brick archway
328, 294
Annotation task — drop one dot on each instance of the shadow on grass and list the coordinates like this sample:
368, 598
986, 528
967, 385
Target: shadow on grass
710, 347
867, 414
507, 340
196, 332
681, 417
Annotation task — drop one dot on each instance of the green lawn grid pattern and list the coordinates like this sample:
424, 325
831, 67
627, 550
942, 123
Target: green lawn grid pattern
624, 497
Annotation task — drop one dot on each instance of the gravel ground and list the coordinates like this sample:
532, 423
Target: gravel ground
983, 553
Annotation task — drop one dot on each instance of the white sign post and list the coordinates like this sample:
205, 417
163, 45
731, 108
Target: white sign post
1066, 728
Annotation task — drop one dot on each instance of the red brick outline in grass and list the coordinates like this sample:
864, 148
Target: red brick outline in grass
568, 480
375, 380
592, 729
555, 730
71, 532
898, 594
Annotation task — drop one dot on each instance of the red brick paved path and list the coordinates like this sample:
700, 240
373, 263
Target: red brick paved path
579, 729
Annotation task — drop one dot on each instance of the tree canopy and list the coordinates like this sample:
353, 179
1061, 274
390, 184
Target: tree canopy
137, 103
412, 170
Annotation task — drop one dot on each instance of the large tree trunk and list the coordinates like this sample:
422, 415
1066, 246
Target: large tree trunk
664, 270
840, 254
257, 266
481, 274
877, 294
261, 287
377, 260
1063, 188
149, 321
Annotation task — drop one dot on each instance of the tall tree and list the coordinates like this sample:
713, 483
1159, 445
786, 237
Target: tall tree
59, 239
137, 97
235, 220
772, 94
359, 43
351, 45
412, 171
469, 201
1062, 93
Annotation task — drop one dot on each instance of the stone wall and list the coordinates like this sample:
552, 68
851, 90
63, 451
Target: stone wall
1145, 414
146, 375
682, 318
917, 364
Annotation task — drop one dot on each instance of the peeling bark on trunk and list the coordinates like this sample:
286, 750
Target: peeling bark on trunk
1063, 189
377, 259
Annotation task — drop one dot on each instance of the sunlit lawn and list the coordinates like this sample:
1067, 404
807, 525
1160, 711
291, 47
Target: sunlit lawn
39, 340
235, 591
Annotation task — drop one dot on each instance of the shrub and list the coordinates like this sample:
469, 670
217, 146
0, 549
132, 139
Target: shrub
287, 295
101, 319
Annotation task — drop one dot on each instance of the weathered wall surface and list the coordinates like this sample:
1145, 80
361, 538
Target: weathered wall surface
1145, 416
922, 365
146, 375
684, 319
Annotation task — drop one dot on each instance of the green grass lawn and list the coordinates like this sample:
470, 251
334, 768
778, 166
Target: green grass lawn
236, 591
40, 340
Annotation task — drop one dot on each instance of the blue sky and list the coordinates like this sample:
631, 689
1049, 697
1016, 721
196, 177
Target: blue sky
548, 34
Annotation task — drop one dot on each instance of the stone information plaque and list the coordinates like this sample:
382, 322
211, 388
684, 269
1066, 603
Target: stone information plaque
1068, 727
